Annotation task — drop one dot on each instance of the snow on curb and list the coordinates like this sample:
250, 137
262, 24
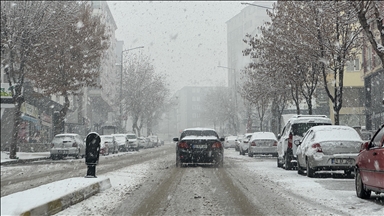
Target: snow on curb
52, 198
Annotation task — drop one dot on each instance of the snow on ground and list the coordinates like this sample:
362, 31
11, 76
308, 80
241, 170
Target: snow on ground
337, 193
23, 155
123, 182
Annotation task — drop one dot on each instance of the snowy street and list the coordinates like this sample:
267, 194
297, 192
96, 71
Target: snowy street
147, 182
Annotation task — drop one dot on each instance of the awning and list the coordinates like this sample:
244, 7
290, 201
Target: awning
28, 118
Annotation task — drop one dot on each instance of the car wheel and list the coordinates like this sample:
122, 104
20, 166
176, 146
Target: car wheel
310, 171
300, 170
250, 154
360, 187
278, 163
348, 172
288, 164
220, 163
53, 157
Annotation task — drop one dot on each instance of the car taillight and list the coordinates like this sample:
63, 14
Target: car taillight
253, 143
290, 140
317, 147
275, 143
216, 145
183, 145
74, 144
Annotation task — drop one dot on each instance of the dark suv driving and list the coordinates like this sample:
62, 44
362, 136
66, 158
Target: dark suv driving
199, 146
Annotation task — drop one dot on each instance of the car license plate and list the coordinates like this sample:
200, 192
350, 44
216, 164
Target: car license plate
63, 151
342, 161
199, 146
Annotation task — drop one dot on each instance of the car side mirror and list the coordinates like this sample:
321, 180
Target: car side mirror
246, 141
364, 146
278, 136
222, 139
297, 142
176, 139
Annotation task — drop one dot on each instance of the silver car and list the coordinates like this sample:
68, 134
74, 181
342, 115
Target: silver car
122, 142
69, 144
330, 147
243, 148
262, 143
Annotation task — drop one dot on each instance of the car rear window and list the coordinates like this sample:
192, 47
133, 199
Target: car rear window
300, 128
131, 136
62, 139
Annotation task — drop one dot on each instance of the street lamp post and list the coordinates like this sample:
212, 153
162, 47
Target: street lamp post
235, 90
121, 85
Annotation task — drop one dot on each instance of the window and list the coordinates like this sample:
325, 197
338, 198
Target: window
353, 65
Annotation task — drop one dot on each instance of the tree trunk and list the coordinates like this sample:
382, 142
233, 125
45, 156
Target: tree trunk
59, 124
18, 98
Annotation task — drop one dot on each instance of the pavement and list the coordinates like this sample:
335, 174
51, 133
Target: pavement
50, 198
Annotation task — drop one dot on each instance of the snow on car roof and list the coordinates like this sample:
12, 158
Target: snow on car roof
67, 134
335, 132
309, 118
199, 128
263, 135
193, 137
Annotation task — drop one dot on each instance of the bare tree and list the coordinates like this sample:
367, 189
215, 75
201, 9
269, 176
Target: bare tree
371, 18
69, 59
223, 110
24, 26
145, 92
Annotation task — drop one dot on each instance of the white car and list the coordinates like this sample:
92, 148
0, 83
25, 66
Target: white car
230, 142
262, 143
121, 141
243, 148
293, 130
328, 147
133, 143
69, 144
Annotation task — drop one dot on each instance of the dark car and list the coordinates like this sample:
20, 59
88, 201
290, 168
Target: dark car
369, 170
199, 146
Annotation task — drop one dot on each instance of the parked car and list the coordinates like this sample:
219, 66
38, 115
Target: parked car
68, 144
142, 141
199, 146
108, 145
154, 141
262, 143
121, 141
369, 167
329, 147
133, 143
237, 142
244, 143
294, 130
230, 142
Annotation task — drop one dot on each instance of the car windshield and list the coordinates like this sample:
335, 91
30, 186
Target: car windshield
189, 78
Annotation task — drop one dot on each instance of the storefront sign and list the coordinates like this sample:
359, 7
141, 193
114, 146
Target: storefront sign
46, 120
29, 110
5, 91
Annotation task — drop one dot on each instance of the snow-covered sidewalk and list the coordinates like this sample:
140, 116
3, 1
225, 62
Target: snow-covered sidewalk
24, 156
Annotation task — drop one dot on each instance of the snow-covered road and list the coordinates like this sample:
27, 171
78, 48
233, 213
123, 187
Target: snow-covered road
158, 187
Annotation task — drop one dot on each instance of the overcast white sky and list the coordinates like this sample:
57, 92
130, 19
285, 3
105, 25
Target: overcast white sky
186, 40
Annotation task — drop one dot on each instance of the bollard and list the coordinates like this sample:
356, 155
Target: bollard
92, 150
